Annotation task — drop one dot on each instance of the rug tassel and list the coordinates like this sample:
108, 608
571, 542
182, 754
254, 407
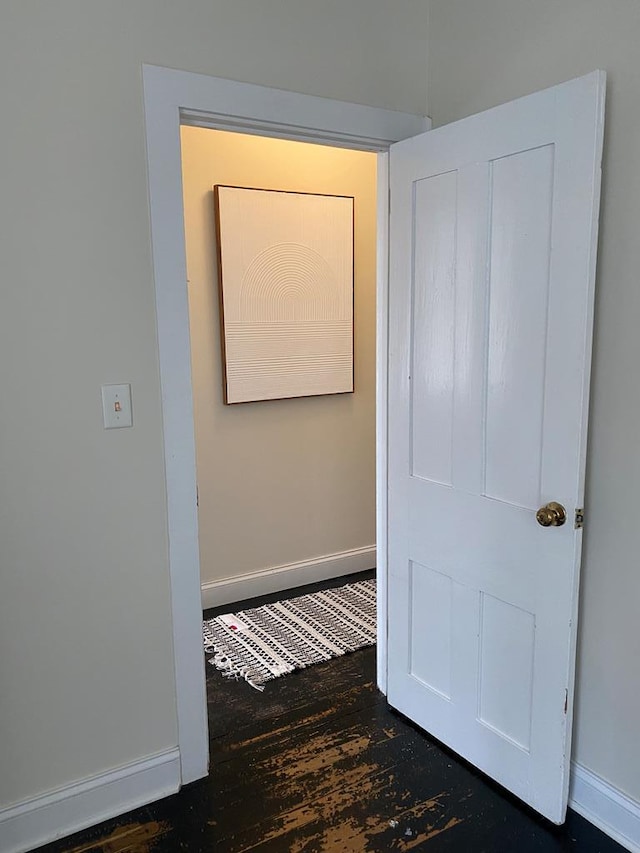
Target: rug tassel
224, 664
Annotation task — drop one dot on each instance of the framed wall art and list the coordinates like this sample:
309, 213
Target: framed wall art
285, 279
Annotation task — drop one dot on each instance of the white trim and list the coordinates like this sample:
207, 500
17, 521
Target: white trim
172, 97
382, 371
605, 806
229, 105
288, 576
67, 810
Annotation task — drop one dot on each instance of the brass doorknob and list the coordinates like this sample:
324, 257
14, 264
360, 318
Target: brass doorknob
552, 514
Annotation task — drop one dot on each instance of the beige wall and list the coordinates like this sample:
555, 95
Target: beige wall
86, 672
482, 54
286, 480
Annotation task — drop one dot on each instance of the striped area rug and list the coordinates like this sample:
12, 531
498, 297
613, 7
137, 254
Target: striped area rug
270, 641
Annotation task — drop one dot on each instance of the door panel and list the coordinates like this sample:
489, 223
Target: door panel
433, 314
506, 628
521, 188
492, 250
430, 650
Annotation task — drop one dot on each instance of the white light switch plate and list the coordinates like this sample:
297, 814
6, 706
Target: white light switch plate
116, 406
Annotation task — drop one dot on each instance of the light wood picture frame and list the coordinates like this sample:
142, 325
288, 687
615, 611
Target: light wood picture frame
286, 291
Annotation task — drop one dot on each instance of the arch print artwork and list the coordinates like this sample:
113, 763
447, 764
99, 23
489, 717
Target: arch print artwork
285, 278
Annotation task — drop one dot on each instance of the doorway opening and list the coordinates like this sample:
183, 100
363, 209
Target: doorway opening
286, 488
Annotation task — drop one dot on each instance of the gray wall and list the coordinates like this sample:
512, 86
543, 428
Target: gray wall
482, 54
84, 603
86, 669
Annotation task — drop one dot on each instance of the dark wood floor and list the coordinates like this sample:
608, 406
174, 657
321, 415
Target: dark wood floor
319, 764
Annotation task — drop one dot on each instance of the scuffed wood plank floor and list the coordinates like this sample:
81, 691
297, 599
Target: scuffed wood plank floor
319, 764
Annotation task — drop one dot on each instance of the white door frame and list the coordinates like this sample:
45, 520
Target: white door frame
172, 98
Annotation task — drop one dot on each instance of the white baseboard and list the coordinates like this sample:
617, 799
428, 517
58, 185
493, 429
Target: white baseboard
275, 579
67, 810
606, 807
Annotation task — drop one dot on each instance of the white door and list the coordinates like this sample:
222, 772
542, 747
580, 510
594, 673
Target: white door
492, 267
